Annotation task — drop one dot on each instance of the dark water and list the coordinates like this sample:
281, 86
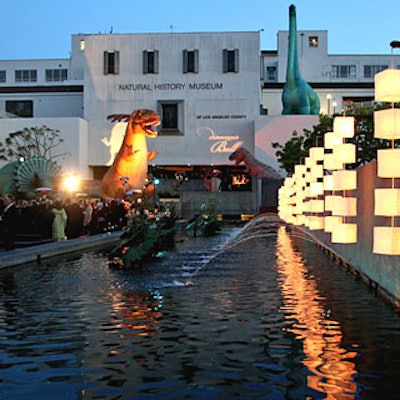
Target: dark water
266, 316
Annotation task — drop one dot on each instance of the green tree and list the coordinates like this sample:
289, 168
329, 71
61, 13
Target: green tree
41, 141
297, 147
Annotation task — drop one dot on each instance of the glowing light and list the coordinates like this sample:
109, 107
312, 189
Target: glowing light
387, 124
387, 85
344, 233
387, 202
71, 183
388, 163
386, 240
344, 126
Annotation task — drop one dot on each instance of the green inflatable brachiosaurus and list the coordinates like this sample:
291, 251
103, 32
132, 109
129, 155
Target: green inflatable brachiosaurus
297, 97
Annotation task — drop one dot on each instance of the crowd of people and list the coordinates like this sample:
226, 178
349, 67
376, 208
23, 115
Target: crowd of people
59, 219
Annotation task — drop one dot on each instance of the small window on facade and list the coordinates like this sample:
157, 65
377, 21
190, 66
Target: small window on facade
371, 70
56, 75
111, 62
82, 44
171, 113
190, 61
313, 41
26, 75
150, 62
344, 71
21, 108
3, 76
271, 74
231, 60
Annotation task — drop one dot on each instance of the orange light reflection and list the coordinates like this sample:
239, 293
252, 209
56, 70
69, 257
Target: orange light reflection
330, 365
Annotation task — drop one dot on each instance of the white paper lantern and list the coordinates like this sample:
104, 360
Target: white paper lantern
387, 85
387, 202
386, 240
344, 233
388, 163
344, 126
387, 124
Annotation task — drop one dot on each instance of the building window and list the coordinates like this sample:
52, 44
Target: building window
171, 113
271, 74
344, 71
190, 61
111, 62
230, 60
150, 62
21, 108
82, 44
56, 75
3, 76
26, 75
371, 70
313, 41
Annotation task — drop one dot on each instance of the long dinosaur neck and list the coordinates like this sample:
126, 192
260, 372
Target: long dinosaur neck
292, 71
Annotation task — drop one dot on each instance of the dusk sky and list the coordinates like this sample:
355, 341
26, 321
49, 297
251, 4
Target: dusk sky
41, 29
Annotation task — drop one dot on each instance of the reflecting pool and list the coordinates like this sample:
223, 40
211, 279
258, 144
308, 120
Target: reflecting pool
255, 312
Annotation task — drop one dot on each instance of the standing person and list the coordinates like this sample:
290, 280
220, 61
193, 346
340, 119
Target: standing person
87, 216
59, 221
75, 219
9, 221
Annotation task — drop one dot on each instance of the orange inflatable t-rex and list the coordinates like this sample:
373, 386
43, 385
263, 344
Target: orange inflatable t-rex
131, 162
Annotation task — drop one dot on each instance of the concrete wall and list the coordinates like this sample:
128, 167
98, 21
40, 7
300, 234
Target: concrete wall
73, 131
226, 203
382, 271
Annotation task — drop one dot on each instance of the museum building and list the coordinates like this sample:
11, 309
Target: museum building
215, 92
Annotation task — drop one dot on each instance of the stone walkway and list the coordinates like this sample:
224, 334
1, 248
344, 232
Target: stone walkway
36, 253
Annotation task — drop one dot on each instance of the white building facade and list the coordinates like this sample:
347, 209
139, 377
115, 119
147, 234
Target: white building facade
215, 92
337, 79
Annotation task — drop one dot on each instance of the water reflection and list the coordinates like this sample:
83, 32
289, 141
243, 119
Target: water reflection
136, 314
331, 366
269, 317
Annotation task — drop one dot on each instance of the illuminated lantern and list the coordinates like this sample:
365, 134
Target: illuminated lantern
316, 189
300, 219
344, 180
316, 206
344, 233
388, 163
330, 200
387, 202
331, 221
332, 163
387, 85
316, 171
316, 153
345, 206
309, 162
344, 127
345, 153
328, 182
387, 124
386, 240
316, 222
331, 140
300, 169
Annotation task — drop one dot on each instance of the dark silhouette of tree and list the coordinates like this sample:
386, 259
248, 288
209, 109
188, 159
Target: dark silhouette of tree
40, 141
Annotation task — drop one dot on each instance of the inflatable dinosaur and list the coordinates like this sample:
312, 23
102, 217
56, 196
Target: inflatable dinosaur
297, 97
131, 162
253, 166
